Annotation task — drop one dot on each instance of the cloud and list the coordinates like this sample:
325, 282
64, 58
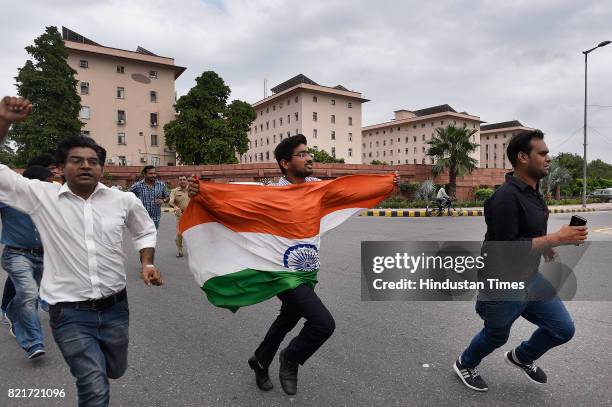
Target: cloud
498, 60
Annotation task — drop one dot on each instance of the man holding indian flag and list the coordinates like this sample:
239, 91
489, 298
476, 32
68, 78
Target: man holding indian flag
246, 244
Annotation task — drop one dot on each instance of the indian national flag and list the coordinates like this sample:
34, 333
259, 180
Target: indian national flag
248, 243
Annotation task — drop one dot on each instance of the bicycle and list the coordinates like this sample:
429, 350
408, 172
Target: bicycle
436, 208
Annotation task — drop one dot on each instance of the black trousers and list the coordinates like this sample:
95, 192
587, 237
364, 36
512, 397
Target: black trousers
301, 302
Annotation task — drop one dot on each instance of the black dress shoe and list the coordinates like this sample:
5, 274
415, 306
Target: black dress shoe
287, 374
261, 374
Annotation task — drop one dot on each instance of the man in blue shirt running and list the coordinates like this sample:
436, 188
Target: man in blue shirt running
22, 259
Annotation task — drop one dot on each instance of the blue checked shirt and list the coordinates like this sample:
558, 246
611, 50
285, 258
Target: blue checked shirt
282, 181
148, 196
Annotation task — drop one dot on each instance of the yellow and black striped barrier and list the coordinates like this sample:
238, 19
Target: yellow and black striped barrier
422, 213
418, 213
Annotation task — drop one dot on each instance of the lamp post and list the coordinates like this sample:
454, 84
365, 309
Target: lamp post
584, 164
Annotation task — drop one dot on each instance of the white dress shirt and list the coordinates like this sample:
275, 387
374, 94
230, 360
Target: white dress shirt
82, 238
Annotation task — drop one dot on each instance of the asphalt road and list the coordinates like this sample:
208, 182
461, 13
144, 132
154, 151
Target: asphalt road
185, 352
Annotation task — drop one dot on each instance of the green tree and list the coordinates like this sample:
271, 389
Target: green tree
7, 154
48, 82
450, 148
207, 129
599, 169
322, 156
377, 162
557, 177
572, 162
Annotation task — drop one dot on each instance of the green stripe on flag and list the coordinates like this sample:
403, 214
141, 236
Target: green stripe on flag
248, 287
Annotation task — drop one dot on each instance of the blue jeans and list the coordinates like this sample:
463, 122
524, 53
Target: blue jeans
156, 221
555, 327
95, 346
25, 271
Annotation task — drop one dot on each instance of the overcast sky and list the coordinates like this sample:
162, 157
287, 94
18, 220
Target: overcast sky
500, 60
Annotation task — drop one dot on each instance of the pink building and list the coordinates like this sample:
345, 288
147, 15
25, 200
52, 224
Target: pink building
127, 97
329, 117
494, 139
403, 140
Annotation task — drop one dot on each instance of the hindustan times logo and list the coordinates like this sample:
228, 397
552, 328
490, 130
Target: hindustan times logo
405, 261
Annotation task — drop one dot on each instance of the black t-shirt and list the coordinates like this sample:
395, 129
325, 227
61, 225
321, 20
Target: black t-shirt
515, 212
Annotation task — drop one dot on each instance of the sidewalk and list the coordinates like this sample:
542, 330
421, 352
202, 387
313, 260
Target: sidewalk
420, 213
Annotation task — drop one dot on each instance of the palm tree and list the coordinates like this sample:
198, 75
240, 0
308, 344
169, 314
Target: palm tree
557, 177
450, 148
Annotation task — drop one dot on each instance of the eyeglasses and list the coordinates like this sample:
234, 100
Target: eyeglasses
92, 162
303, 154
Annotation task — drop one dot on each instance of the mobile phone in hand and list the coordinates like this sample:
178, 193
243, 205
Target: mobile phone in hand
577, 221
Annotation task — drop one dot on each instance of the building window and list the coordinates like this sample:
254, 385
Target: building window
153, 118
314, 133
423, 137
121, 160
85, 133
273, 108
153, 96
267, 155
267, 141
280, 121
333, 118
83, 63
267, 125
120, 92
296, 116
333, 135
351, 138
153, 74
314, 116
121, 138
350, 152
268, 109
314, 99
120, 116
84, 88
350, 122
350, 105
333, 152
155, 161
85, 112
120, 69
296, 99
274, 138
153, 140
255, 143
422, 124
273, 123
333, 102
423, 148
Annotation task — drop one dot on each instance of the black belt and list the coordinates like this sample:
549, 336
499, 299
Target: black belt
36, 250
94, 305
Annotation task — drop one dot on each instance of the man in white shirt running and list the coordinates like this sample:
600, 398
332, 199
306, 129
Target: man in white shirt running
81, 226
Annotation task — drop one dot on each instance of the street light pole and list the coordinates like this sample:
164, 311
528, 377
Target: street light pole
584, 164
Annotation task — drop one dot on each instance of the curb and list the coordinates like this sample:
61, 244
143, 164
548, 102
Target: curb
421, 213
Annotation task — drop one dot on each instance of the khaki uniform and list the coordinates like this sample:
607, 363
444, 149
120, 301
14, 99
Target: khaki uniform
180, 198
